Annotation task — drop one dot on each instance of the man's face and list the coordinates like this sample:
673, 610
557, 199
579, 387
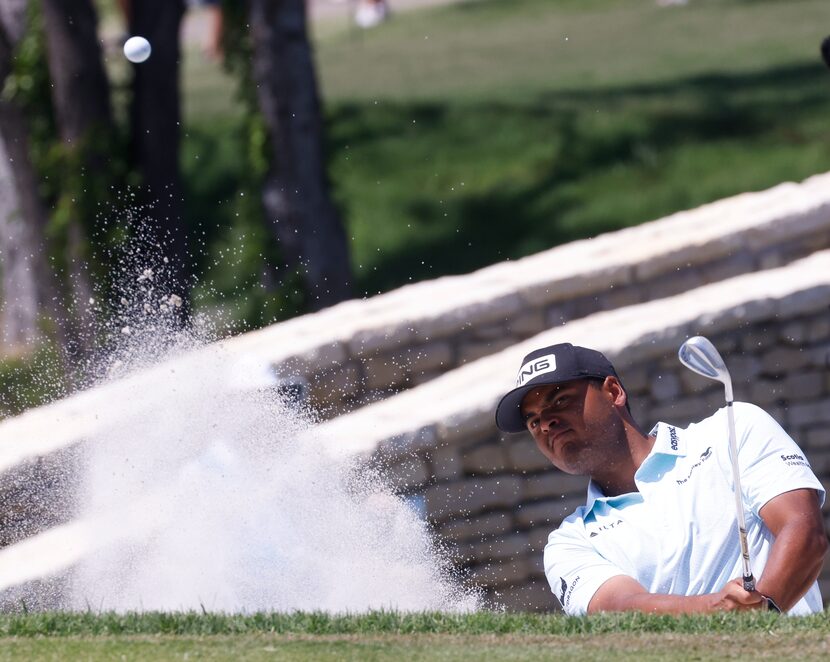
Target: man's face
575, 425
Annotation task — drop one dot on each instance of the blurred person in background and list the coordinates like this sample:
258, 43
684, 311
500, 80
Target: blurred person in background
371, 13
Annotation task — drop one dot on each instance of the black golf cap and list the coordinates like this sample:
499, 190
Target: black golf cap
549, 365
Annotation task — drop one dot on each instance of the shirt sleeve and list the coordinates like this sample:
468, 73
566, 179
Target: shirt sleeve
575, 570
771, 462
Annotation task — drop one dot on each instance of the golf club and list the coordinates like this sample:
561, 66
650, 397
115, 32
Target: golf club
699, 355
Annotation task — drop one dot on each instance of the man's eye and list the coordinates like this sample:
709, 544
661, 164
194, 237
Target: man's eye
532, 424
561, 401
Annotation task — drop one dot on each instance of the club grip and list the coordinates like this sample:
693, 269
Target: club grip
749, 583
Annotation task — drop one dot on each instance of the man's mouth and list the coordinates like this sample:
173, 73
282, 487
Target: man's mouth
557, 437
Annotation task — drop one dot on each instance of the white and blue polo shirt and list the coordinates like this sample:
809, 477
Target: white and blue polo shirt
678, 534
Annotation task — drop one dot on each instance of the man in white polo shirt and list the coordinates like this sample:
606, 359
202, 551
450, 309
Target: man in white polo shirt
658, 532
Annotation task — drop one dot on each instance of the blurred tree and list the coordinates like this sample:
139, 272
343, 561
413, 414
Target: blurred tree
29, 287
81, 104
296, 200
155, 132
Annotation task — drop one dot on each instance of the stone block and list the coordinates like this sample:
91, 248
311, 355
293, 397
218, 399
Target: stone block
385, 339
484, 459
729, 267
684, 410
553, 484
445, 461
758, 338
635, 380
471, 350
469, 497
808, 413
781, 360
404, 445
743, 367
820, 463
337, 384
794, 333
467, 426
406, 475
500, 573
500, 547
533, 595
803, 386
764, 392
490, 332
523, 455
467, 317
537, 540
527, 324
818, 329
619, 297
385, 370
437, 355
819, 356
315, 360
560, 313
476, 528
817, 439
809, 300
681, 279
548, 513
665, 386
422, 377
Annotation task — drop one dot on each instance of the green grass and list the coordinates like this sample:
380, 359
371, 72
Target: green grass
414, 636
477, 132
65, 624
487, 130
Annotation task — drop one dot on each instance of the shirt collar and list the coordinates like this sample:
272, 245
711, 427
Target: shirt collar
669, 440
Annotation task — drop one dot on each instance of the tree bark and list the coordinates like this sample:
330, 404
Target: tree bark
81, 100
156, 133
296, 196
28, 287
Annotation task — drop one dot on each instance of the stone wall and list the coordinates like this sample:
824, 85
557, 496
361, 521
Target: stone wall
421, 368
494, 498
363, 351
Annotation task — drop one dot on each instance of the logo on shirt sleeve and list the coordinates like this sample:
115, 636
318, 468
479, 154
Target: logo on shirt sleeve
564, 590
567, 591
795, 460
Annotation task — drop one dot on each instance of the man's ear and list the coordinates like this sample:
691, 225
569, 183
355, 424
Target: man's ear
615, 390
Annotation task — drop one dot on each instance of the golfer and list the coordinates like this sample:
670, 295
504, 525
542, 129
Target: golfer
658, 532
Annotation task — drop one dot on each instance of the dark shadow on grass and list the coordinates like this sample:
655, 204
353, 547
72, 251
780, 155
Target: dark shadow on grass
516, 219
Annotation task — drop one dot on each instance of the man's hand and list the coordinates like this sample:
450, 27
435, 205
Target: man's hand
733, 597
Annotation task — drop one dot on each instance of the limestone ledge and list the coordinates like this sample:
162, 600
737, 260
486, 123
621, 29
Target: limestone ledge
460, 405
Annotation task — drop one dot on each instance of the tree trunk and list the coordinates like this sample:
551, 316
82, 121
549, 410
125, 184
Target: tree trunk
156, 134
28, 286
81, 100
296, 198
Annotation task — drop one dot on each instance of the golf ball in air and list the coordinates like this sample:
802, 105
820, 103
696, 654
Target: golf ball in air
137, 49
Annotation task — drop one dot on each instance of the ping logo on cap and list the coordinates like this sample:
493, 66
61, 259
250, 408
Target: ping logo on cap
535, 367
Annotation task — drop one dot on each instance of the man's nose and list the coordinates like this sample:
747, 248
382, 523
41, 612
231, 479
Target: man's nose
548, 420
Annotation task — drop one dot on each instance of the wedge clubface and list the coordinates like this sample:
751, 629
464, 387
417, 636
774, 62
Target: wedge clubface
699, 355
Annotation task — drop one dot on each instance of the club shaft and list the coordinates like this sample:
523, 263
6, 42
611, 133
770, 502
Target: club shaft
748, 579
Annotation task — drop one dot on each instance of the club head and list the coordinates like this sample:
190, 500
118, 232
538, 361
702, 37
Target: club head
699, 355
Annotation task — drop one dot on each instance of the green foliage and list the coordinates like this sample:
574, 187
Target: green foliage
30, 380
75, 179
241, 280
